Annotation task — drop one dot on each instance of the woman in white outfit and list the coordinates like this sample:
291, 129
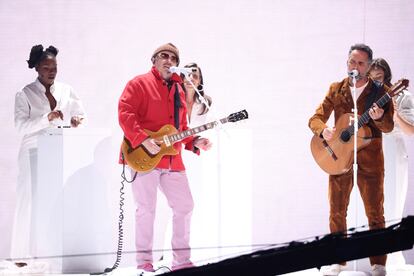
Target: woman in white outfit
41, 104
395, 152
196, 107
204, 217
196, 116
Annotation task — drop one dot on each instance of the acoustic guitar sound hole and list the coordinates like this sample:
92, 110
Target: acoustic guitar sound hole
345, 136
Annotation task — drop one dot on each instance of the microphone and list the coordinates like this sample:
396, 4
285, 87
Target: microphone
354, 73
180, 70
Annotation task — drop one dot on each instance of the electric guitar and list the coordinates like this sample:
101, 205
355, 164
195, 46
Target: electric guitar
337, 155
141, 160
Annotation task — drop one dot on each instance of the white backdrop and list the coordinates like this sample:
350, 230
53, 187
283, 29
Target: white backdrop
274, 58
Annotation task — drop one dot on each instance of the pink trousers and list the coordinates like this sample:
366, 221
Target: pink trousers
174, 185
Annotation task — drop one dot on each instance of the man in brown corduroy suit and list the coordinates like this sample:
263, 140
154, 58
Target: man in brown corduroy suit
370, 159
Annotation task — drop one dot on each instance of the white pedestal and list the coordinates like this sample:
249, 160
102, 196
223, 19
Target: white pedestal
71, 215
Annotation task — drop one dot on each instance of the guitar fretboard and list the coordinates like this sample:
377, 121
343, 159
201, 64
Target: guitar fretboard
364, 118
192, 131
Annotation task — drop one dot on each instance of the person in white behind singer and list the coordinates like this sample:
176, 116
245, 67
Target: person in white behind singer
40, 105
395, 152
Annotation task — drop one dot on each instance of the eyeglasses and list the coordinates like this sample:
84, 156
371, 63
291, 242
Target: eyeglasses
194, 73
166, 56
195, 76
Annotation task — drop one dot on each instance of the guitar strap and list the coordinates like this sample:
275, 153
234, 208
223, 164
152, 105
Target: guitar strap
373, 95
177, 106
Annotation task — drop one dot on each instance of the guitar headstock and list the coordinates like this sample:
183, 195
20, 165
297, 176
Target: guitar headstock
238, 116
398, 87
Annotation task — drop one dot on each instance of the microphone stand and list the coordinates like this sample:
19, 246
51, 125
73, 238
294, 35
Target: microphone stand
355, 173
219, 166
201, 97
355, 164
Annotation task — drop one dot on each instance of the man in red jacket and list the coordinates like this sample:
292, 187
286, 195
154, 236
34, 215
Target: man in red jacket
151, 101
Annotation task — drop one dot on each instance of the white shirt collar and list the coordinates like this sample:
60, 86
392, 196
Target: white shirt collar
42, 88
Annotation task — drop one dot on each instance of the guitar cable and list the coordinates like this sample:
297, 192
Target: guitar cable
121, 218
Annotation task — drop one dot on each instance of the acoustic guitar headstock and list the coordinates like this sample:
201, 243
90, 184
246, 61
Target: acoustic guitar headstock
399, 87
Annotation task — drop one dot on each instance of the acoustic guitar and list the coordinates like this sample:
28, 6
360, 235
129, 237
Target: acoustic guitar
142, 161
337, 155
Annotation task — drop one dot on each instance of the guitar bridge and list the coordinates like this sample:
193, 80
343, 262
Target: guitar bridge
329, 150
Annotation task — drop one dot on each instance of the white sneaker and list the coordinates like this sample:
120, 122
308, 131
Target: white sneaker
378, 270
332, 270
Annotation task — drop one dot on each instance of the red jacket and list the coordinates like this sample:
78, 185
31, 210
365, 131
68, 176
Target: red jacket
146, 103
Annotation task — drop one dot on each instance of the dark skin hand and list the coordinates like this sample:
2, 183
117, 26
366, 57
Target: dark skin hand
75, 121
54, 115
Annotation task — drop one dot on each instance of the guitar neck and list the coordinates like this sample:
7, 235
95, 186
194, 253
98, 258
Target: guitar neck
192, 131
381, 102
396, 89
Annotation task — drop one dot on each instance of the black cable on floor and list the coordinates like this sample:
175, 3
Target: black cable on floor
121, 218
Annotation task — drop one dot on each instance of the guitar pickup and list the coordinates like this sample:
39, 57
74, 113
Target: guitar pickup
166, 140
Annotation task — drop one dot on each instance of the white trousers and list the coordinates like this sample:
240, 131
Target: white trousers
23, 245
395, 184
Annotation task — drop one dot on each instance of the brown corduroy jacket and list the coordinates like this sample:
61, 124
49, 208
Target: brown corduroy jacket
339, 100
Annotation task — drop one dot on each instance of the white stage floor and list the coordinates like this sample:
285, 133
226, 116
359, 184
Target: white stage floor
7, 270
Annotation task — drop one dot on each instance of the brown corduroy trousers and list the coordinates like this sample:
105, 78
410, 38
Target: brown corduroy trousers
371, 188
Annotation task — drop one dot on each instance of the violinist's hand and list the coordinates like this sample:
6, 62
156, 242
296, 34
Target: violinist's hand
54, 115
152, 146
